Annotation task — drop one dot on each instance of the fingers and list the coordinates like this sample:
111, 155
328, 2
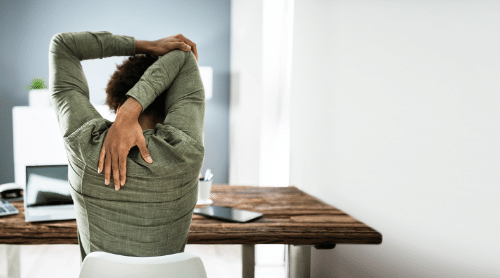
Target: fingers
144, 151
101, 160
122, 159
190, 43
107, 169
193, 47
182, 46
116, 172
110, 163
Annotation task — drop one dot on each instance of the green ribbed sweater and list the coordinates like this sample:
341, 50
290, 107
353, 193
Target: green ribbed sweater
151, 214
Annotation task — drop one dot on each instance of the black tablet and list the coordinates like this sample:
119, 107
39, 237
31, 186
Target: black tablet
228, 214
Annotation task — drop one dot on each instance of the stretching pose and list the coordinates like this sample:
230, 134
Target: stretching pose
153, 150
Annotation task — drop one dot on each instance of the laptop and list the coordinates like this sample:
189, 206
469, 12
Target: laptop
47, 194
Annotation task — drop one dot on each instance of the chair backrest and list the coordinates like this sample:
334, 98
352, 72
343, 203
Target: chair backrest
106, 265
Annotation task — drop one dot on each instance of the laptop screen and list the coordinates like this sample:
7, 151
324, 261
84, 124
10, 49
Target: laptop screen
47, 185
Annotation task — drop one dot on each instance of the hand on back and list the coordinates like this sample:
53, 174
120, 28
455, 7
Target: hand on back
124, 133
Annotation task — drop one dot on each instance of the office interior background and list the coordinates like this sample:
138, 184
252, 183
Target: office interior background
388, 110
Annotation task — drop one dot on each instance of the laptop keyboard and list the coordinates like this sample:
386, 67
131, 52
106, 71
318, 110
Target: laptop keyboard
6, 208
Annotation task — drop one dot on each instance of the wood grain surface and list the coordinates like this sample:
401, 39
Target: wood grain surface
290, 217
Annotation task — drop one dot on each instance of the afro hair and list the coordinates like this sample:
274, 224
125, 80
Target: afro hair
124, 79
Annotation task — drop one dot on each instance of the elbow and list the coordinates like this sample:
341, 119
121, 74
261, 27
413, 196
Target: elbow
57, 38
59, 43
190, 57
183, 55
55, 41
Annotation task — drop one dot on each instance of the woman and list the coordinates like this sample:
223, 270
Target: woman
151, 214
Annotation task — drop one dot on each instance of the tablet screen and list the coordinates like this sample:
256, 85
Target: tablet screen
228, 214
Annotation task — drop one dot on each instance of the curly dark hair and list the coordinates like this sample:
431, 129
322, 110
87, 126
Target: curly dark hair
124, 79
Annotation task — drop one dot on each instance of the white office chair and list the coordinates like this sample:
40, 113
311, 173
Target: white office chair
106, 265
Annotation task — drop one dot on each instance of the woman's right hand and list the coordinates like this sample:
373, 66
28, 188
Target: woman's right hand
124, 133
163, 46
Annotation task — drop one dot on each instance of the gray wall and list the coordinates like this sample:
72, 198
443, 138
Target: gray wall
26, 28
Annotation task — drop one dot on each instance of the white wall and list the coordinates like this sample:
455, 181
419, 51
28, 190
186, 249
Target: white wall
261, 41
261, 36
396, 120
246, 92
277, 24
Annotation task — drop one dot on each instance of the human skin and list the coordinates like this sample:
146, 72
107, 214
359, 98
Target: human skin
126, 131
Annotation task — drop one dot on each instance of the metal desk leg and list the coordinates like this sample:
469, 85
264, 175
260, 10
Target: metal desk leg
248, 263
13, 262
298, 261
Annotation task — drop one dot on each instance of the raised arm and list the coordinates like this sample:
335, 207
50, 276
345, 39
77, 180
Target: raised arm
67, 82
178, 72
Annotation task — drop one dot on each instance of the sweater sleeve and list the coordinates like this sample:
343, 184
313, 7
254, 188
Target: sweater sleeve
67, 83
178, 73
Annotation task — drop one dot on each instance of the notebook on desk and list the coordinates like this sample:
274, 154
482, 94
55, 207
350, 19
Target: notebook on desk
47, 194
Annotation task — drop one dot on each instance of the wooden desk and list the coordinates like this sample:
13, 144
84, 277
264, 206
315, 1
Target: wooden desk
291, 217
